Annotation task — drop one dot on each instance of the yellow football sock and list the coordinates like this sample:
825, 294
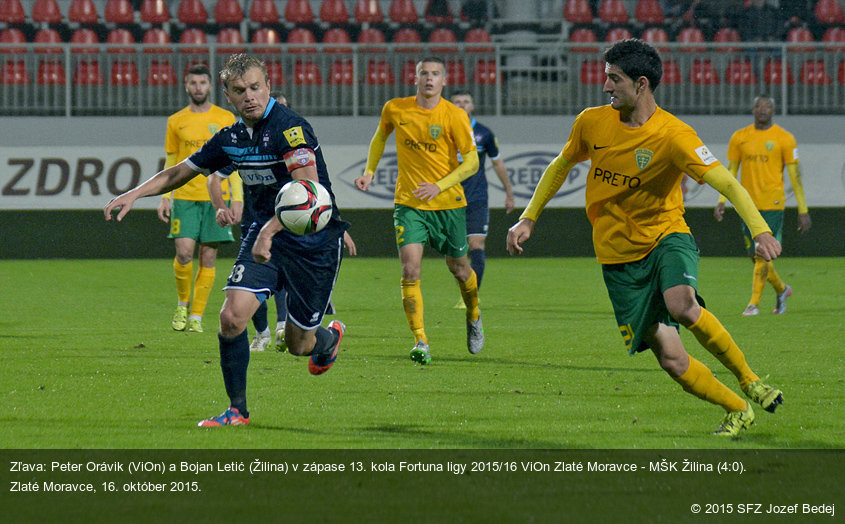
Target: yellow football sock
412, 302
202, 289
715, 338
774, 279
184, 274
699, 381
469, 292
761, 271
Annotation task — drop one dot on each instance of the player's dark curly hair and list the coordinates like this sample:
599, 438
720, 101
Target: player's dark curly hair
636, 58
237, 65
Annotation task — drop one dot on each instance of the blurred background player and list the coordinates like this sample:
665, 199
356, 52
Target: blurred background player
188, 208
762, 149
475, 189
429, 203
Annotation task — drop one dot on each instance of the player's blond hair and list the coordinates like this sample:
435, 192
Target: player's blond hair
237, 65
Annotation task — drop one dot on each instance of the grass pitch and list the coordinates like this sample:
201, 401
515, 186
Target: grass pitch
89, 361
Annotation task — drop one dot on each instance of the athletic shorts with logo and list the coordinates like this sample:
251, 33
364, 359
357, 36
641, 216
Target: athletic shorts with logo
478, 218
444, 229
307, 273
197, 220
774, 218
636, 288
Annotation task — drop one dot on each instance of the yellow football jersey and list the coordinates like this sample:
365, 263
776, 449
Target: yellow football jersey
762, 155
187, 132
633, 190
428, 142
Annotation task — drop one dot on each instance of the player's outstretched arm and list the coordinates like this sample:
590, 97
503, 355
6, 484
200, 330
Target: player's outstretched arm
502, 173
162, 182
350, 244
719, 210
519, 233
377, 144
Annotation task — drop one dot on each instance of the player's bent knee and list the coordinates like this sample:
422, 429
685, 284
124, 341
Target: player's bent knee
231, 325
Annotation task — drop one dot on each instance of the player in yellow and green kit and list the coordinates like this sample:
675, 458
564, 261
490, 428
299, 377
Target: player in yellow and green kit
191, 214
429, 203
763, 149
639, 154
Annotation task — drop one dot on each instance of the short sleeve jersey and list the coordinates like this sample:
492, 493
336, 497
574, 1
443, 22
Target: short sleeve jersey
188, 131
261, 156
475, 187
633, 192
428, 142
762, 155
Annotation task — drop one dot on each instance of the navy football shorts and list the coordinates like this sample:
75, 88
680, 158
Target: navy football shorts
307, 274
478, 218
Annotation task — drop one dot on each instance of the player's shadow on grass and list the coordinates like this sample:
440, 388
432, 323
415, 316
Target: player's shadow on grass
497, 363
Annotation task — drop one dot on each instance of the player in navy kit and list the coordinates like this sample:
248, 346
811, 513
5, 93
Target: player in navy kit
269, 145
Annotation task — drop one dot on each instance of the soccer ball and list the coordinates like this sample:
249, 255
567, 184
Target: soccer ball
303, 207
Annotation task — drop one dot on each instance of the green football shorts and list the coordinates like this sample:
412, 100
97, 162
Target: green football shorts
774, 218
445, 229
197, 220
636, 288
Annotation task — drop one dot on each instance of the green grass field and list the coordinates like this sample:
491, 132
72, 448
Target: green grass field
90, 341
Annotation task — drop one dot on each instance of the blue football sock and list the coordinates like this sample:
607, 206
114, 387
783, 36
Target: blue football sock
259, 318
477, 259
234, 359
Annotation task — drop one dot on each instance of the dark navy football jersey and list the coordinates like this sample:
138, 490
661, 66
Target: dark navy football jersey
260, 158
475, 187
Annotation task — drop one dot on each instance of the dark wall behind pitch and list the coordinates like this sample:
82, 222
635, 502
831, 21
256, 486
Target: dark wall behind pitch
560, 232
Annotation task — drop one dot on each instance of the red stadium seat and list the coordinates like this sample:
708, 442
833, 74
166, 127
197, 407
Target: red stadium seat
121, 36
334, 12
51, 73
583, 35
275, 73
577, 12
613, 12
726, 35
829, 12
228, 12
617, 34
691, 35
478, 35
342, 73
14, 73
703, 72
655, 36
814, 73
800, 35
48, 36
161, 73
370, 37
456, 74
773, 72
300, 35
368, 12
592, 72
155, 12
124, 73
403, 12
192, 12
299, 12
82, 12
337, 35
740, 72
486, 72
194, 36
441, 15
84, 36
46, 11
407, 35
841, 73
649, 12
379, 73
11, 12
87, 73
443, 35
671, 74
158, 36
307, 73
233, 40
409, 72
264, 12
13, 35
270, 41
119, 12
834, 34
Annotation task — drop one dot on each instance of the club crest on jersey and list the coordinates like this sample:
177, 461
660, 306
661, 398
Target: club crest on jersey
294, 136
643, 157
213, 128
434, 130
770, 144
265, 138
